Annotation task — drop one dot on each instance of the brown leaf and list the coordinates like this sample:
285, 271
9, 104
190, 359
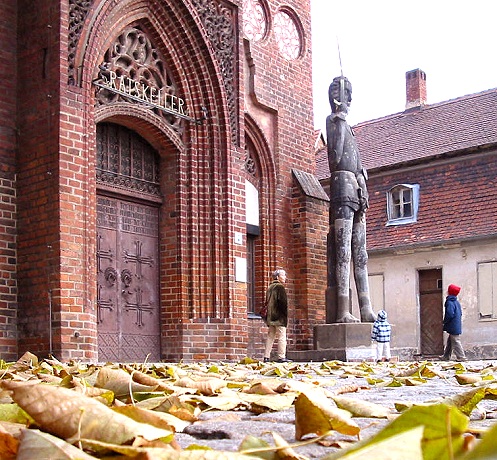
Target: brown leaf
206, 386
260, 389
148, 380
120, 382
36, 444
315, 414
360, 408
68, 414
467, 379
352, 388
173, 405
8, 445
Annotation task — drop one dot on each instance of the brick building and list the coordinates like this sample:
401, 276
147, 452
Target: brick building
433, 201
157, 165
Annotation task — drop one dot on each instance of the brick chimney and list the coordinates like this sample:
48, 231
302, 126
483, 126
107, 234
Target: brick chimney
415, 89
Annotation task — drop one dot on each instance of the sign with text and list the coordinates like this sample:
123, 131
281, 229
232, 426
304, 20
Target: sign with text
149, 95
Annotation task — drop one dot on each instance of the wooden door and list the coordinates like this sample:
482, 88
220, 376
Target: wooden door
431, 312
128, 312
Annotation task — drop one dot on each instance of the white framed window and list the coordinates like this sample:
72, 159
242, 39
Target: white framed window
487, 290
402, 204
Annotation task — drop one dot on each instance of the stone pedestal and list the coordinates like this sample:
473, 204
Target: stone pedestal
344, 341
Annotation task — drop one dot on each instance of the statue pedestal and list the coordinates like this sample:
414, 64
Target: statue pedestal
344, 341
340, 341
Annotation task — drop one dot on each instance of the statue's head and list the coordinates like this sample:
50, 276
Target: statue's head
340, 94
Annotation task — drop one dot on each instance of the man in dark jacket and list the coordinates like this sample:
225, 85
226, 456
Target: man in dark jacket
453, 325
277, 316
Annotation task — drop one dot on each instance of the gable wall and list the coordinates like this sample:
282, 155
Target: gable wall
458, 200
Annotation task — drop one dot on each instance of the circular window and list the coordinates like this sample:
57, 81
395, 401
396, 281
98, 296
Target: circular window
287, 35
254, 20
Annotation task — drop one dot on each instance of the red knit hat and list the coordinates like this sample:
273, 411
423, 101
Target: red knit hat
453, 289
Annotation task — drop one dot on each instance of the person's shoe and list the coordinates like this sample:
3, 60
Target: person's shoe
284, 360
266, 360
443, 358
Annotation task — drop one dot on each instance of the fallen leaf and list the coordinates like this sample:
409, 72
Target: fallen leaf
9, 445
486, 448
208, 386
36, 444
360, 408
314, 414
467, 379
405, 445
68, 414
120, 382
155, 418
466, 401
441, 424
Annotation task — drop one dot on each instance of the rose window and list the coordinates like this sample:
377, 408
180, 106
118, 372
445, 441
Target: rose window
254, 20
287, 35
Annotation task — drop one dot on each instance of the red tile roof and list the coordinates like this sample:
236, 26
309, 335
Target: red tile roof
432, 130
458, 200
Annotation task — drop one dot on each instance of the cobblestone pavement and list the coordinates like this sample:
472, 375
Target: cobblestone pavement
225, 430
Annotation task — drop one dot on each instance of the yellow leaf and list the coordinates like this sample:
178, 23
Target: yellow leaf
466, 401
405, 446
284, 450
158, 419
173, 405
443, 429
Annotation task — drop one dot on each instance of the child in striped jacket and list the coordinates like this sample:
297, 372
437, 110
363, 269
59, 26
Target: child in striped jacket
381, 334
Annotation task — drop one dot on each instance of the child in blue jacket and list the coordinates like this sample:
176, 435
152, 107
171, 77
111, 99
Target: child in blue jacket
381, 334
453, 325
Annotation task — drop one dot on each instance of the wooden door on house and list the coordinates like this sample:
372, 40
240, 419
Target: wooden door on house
430, 312
128, 310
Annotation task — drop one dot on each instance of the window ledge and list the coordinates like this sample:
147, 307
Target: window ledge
410, 220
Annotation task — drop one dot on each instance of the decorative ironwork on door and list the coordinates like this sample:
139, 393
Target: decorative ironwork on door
128, 307
128, 312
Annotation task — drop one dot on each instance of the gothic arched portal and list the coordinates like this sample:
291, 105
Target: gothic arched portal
128, 307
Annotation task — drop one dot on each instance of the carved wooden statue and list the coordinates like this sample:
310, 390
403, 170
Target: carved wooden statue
348, 205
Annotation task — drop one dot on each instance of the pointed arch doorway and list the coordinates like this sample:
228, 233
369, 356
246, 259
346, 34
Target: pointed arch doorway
128, 310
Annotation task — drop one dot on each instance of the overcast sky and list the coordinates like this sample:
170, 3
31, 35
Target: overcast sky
453, 42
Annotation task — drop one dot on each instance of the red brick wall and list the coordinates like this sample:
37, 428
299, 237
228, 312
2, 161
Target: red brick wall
8, 202
282, 90
311, 226
38, 107
54, 264
203, 307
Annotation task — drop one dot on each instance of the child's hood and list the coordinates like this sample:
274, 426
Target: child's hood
382, 315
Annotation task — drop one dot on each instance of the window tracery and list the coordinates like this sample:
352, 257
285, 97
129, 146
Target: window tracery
255, 21
287, 35
133, 56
